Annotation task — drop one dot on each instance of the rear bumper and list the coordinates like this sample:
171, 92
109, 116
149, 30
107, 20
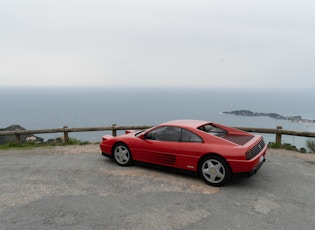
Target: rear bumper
248, 166
248, 174
257, 167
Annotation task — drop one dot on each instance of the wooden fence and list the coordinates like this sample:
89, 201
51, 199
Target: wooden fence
65, 130
278, 131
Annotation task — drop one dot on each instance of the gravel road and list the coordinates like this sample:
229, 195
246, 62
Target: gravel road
74, 187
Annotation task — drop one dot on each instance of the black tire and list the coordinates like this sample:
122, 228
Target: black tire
122, 154
214, 170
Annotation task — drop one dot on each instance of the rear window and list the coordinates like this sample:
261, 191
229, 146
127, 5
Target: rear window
208, 128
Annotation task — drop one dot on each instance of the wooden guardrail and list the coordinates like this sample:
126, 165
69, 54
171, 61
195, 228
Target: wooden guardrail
278, 131
65, 130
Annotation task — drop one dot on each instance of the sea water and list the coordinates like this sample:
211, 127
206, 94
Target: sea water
45, 108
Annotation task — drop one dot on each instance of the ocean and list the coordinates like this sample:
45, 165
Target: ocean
44, 108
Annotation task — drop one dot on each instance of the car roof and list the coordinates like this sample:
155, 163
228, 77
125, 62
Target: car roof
186, 123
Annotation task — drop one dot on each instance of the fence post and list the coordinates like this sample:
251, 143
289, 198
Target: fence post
65, 134
278, 135
114, 131
18, 138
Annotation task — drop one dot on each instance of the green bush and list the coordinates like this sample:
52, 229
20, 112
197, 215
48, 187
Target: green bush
310, 144
274, 145
73, 141
286, 146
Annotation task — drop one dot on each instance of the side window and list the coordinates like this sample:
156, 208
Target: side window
188, 136
165, 133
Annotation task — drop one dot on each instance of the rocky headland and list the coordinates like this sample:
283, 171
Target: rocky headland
24, 138
297, 119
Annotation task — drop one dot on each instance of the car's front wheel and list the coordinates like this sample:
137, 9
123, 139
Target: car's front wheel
214, 170
122, 154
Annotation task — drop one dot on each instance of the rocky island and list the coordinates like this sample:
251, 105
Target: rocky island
297, 119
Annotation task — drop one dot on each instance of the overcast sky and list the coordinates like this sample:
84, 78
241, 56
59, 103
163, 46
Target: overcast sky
202, 43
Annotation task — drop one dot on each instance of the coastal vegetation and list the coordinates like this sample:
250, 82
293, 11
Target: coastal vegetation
286, 146
32, 144
310, 144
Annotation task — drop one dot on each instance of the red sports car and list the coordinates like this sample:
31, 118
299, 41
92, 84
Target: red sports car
214, 151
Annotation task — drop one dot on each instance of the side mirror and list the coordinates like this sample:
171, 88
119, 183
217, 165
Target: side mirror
144, 136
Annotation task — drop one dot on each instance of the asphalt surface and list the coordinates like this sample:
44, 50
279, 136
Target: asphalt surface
77, 188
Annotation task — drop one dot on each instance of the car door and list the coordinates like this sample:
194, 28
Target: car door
159, 146
191, 148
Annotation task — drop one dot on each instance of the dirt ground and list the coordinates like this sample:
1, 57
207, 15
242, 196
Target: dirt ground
74, 187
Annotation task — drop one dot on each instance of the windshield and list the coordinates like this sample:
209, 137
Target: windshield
140, 132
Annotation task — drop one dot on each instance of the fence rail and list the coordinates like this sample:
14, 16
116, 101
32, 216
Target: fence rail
278, 131
65, 130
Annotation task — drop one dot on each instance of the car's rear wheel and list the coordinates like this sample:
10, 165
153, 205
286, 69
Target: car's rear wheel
122, 154
214, 170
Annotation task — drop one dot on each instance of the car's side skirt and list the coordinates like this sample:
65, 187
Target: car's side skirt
107, 155
166, 168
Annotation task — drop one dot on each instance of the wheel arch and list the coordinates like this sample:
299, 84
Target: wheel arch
117, 143
217, 176
123, 158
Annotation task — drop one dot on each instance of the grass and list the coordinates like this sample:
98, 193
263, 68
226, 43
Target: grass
286, 146
29, 145
310, 144
282, 146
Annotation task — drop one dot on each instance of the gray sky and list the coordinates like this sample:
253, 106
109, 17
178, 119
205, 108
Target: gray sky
202, 43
